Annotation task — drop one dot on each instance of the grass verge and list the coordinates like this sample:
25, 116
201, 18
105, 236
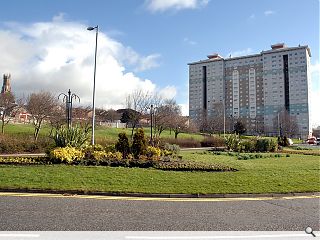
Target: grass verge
296, 173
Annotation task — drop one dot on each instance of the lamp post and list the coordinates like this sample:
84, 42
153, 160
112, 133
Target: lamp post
151, 119
68, 98
94, 82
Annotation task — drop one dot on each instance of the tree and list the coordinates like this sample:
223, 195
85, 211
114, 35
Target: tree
41, 106
57, 117
164, 115
177, 122
139, 144
7, 106
216, 121
239, 127
129, 116
180, 124
202, 120
286, 124
139, 102
123, 145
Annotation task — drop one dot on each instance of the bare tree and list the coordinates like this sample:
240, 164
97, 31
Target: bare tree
180, 124
111, 115
216, 121
139, 102
202, 121
165, 115
287, 124
41, 106
7, 106
176, 121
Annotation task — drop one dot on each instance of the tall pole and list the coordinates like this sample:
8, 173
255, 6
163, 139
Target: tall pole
69, 98
151, 109
94, 82
224, 119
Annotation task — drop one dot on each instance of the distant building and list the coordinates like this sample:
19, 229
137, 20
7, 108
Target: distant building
6, 86
254, 88
316, 132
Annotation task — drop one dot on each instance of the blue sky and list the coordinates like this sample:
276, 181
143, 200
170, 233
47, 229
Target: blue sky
144, 43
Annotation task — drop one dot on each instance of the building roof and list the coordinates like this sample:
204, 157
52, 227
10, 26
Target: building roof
279, 47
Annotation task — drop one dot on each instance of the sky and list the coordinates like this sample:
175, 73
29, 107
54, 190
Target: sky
143, 44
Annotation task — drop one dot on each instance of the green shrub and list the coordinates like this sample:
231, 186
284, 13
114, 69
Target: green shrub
110, 148
178, 165
283, 141
173, 149
25, 160
266, 145
233, 142
66, 155
248, 145
153, 153
73, 137
139, 144
123, 145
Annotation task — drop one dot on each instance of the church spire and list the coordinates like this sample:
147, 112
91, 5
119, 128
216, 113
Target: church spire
6, 87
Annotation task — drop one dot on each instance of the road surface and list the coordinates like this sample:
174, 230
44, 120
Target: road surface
44, 212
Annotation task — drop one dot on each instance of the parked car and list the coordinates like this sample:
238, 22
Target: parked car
312, 140
318, 141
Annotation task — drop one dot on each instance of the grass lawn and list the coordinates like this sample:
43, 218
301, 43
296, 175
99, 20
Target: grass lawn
102, 134
297, 173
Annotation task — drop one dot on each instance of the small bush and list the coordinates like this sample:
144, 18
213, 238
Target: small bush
110, 148
266, 145
66, 155
283, 141
93, 151
24, 160
139, 144
153, 153
172, 149
248, 145
233, 142
70, 136
178, 165
123, 145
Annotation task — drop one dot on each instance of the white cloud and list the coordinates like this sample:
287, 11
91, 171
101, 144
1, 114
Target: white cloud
164, 5
168, 92
314, 108
58, 55
315, 68
315, 93
243, 52
184, 109
148, 62
269, 12
189, 41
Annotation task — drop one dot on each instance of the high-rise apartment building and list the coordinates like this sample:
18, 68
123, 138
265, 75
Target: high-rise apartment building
254, 88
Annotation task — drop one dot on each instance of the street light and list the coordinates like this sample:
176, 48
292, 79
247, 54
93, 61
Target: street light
69, 98
94, 82
151, 112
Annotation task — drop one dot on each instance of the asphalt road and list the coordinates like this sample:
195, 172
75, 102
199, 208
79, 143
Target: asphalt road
78, 214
